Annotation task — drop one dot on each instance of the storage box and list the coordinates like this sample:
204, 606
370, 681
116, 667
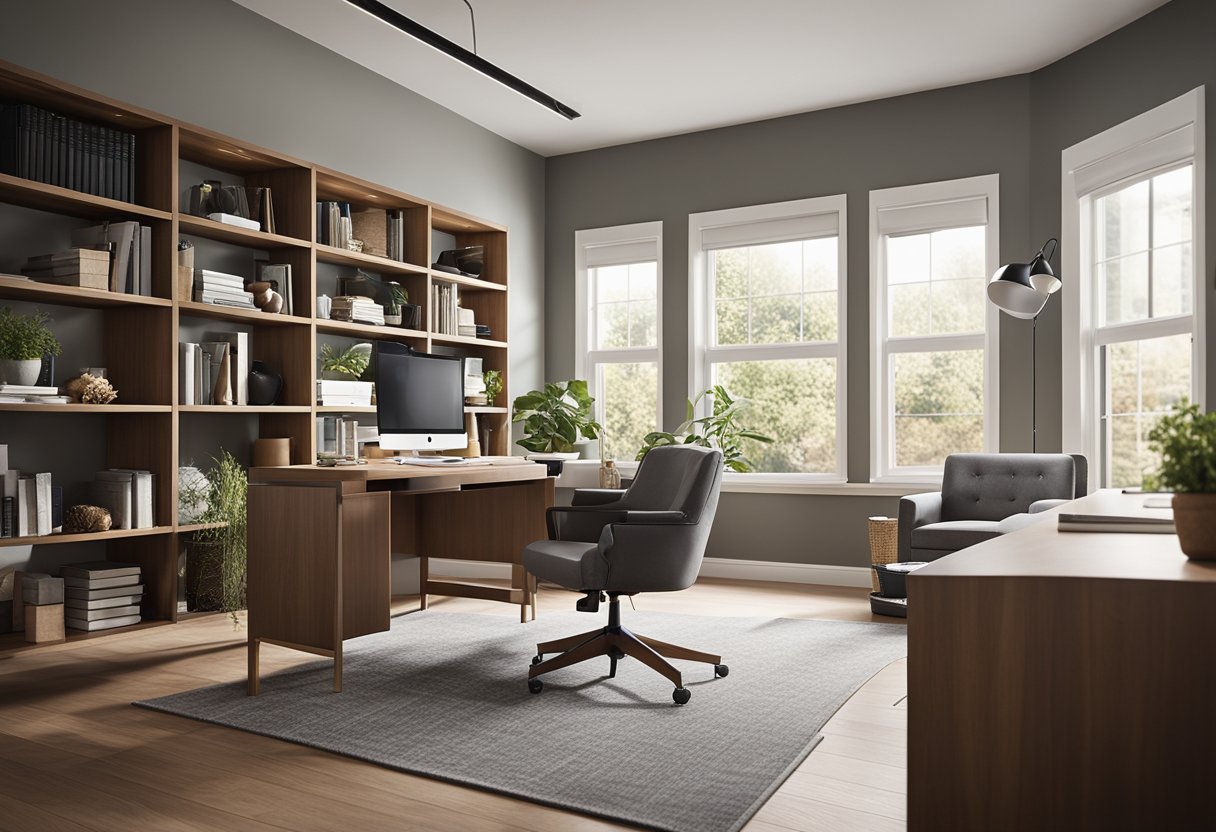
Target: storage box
37, 590
44, 623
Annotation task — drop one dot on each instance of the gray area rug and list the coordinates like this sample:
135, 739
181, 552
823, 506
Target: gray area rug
445, 695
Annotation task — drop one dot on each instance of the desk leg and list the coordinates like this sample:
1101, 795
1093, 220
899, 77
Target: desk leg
519, 579
423, 573
532, 593
338, 669
253, 686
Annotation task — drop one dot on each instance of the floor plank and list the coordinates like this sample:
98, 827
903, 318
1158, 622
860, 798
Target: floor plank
74, 754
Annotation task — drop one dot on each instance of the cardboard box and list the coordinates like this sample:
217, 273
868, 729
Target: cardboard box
44, 623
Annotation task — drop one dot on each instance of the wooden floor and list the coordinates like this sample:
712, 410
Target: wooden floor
75, 755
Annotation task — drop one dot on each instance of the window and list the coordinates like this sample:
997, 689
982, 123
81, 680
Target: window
932, 249
1131, 213
619, 326
767, 318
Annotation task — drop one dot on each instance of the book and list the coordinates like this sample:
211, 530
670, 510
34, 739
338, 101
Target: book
56, 509
238, 353
120, 235
26, 390
141, 493
232, 219
114, 495
100, 603
101, 614
9, 528
221, 372
124, 581
278, 275
99, 593
185, 373
27, 507
99, 569
104, 624
1149, 521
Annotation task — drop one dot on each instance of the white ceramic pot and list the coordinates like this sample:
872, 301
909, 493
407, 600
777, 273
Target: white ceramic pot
392, 320
20, 372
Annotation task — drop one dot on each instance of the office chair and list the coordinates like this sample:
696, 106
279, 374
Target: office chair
648, 538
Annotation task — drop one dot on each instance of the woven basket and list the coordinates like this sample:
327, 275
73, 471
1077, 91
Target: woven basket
884, 544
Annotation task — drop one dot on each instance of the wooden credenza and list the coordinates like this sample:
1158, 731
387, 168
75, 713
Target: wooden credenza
1063, 681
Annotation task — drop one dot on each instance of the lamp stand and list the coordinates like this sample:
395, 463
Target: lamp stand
1034, 387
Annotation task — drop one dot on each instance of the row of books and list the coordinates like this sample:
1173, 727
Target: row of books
338, 435
215, 371
129, 494
58, 150
221, 289
30, 394
382, 231
445, 306
114, 255
101, 595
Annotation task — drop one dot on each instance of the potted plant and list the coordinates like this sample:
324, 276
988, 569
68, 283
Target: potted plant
1185, 439
24, 340
721, 429
216, 559
555, 417
493, 382
345, 365
397, 298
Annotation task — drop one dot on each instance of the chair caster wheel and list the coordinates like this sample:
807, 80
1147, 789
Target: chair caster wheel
535, 686
721, 670
681, 696
538, 658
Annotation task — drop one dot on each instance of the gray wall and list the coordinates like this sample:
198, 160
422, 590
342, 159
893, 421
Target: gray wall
219, 65
943, 134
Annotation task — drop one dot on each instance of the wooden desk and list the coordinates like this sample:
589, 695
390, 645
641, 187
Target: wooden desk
1062, 681
321, 541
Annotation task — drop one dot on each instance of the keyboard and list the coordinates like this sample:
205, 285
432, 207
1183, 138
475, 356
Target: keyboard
437, 462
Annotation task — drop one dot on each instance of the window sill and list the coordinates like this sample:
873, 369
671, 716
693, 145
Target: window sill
584, 473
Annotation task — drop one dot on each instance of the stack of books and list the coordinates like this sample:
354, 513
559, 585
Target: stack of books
40, 145
358, 309
216, 371
128, 246
101, 595
30, 394
221, 289
83, 267
128, 495
466, 325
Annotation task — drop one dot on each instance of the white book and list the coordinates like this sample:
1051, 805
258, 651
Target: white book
145, 260
26, 390
114, 495
185, 373
240, 301
141, 496
233, 219
221, 372
101, 603
27, 513
238, 354
94, 594
104, 624
42, 497
100, 614
3, 457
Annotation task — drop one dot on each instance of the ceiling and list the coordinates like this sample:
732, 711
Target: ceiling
641, 69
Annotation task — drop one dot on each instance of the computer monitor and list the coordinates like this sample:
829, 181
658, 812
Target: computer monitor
419, 399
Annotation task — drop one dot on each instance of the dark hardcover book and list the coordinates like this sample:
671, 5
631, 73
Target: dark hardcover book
8, 139
56, 508
92, 145
103, 156
36, 145
27, 142
46, 376
130, 167
6, 519
74, 161
320, 226
99, 569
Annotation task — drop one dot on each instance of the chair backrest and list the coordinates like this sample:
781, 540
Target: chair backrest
685, 478
996, 486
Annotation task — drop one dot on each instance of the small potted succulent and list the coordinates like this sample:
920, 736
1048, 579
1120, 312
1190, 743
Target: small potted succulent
1185, 439
24, 340
397, 298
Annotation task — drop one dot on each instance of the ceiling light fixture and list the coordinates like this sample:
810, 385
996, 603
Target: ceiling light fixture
454, 50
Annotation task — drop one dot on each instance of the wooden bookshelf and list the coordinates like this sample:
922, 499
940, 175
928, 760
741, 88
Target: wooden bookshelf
141, 334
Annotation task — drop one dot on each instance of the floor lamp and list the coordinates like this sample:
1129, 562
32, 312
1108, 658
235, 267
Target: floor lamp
1022, 290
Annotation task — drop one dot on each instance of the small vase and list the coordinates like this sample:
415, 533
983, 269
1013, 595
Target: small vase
265, 384
20, 372
1195, 520
410, 316
391, 319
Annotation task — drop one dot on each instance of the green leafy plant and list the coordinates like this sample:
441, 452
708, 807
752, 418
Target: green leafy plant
555, 416
493, 381
26, 337
397, 297
1185, 440
721, 429
352, 361
227, 497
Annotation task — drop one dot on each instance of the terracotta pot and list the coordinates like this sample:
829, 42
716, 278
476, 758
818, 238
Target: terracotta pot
1195, 519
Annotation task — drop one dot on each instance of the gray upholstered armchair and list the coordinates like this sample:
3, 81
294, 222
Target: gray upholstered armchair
983, 496
648, 538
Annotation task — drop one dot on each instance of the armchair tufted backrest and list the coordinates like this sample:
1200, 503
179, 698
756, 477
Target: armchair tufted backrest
996, 486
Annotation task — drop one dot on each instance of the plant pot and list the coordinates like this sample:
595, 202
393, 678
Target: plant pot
410, 316
392, 320
24, 372
1195, 520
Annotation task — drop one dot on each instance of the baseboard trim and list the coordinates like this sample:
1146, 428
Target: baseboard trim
729, 568
793, 573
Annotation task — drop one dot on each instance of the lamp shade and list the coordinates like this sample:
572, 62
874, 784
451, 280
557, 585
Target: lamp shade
1010, 289
1042, 278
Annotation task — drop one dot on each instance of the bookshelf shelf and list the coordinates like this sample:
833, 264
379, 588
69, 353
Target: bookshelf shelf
198, 527
232, 409
34, 407
139, 336
29, 194
342, 257
16, 643
468, 284
226, 313
383, 333
17, 288
88, 537
211, 230
466, 340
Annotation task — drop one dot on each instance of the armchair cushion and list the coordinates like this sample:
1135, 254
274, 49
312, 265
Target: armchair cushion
572, 564
953, 535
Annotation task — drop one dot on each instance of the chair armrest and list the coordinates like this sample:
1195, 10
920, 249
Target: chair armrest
656, 518
596, 496
1045, 505
916, 510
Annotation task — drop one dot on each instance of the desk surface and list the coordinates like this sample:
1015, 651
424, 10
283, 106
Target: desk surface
1041, 551
455, 475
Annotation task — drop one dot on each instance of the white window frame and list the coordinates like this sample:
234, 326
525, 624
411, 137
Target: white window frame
933, 197
636, 237
1150, 143
701, 355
